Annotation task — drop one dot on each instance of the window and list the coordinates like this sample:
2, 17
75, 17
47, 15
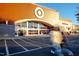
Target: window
35, 25
24, 24
32, 25
42, 26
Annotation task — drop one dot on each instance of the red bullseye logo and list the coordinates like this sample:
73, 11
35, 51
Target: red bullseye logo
39, 12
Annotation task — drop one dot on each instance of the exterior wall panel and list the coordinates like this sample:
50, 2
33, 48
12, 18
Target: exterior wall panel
19, 11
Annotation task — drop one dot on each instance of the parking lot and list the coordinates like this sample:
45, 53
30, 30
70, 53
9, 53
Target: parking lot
16, 46
34, 46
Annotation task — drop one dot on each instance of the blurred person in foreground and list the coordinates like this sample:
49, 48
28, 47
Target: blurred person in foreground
56, 38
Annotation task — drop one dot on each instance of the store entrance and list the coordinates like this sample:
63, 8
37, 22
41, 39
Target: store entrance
31, 28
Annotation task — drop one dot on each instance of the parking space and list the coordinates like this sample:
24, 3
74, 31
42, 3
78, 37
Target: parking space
22, 45
37, 42
45, 40
26, 45
2, 48
13, 47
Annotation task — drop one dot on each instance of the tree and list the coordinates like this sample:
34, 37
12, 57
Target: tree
77, 14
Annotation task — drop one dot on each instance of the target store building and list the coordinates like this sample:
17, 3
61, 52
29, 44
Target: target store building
26, 19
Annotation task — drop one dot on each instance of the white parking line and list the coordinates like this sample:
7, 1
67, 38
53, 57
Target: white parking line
48, 45
6, 47
17, 53
31, 43
24, 51
20, 45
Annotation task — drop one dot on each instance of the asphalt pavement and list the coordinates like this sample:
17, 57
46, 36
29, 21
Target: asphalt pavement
35, 46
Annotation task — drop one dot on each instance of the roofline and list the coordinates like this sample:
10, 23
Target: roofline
45, 7
65, 19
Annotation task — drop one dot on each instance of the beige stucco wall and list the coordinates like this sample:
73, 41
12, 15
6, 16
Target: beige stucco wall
65, 23
51, 16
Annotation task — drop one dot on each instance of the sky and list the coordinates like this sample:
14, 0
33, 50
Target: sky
66, 10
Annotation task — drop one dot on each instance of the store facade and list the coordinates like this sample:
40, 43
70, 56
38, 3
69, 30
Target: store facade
29, 19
